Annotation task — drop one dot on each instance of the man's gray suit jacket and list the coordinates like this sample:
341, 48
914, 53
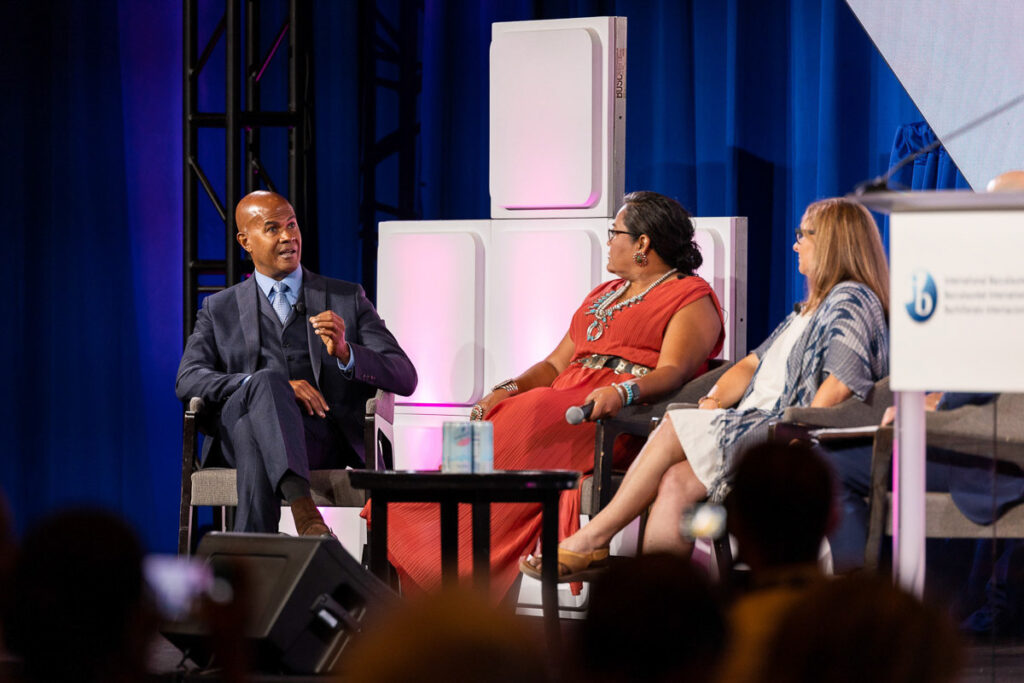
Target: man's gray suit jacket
224, 348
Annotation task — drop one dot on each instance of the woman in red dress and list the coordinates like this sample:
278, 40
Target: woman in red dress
634, 339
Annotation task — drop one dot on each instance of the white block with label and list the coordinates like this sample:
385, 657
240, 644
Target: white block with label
957, 301
558, 117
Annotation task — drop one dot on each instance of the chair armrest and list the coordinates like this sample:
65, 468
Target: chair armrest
636, 419
190, 432
382, 405
1002, 419
639, 420
379, 431
787, 432
852, 412
693, 390
878, 496
189, 464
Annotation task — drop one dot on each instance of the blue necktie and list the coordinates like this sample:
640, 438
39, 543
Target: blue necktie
281, 305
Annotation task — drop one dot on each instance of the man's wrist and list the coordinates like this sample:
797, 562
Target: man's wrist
345, 364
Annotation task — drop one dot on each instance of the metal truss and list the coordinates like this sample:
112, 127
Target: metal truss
390, 70
242, 120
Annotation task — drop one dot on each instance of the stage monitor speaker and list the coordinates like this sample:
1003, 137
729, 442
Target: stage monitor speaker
307, 598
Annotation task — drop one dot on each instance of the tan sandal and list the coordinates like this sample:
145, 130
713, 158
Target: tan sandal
572, 566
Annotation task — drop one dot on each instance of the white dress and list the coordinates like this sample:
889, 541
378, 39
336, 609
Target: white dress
693, 428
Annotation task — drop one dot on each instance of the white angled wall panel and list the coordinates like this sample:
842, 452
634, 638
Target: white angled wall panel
538, 273
430, 291
723, 244
713, 251
962, 62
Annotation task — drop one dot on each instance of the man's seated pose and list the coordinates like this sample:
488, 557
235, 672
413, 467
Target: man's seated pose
288, 359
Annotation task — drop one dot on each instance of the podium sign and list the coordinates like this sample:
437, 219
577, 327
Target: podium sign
956, 313
957, 301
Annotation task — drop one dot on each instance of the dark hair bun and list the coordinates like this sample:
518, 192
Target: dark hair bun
667, 224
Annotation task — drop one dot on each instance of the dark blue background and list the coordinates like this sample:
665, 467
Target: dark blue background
737, 107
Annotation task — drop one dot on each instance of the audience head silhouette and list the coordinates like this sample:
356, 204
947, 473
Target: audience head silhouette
451, 636
79, 609
781, 505
862, 628
652, 618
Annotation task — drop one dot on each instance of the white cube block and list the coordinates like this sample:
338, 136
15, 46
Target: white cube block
430, 287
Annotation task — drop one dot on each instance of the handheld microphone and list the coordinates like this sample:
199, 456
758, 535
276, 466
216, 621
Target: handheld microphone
577, 414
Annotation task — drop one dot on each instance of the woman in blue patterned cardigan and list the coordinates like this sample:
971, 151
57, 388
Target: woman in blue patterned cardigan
833, 346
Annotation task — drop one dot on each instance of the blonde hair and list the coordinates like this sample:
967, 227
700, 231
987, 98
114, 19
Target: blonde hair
847, 246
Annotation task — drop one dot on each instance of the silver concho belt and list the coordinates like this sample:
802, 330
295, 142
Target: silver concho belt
619, 365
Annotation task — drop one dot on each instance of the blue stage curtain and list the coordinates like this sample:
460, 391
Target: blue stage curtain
932, 171
92, 313
738, 107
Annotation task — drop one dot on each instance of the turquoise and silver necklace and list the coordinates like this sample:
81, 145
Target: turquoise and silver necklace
603, 315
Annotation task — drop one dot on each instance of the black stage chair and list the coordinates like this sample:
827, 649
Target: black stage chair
640, 420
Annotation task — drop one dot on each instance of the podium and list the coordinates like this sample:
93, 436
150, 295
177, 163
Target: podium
956, 319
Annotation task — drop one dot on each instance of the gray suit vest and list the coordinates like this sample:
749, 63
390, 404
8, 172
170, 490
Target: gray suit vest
284, 348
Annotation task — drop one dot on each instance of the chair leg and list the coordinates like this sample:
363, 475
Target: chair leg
878, 506
641, 530
392, 579
228, 518
185, 515
191, 526
723, 559
604, 439
386, 453
189, 446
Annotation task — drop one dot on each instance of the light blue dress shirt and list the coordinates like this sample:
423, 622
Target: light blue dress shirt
294, 282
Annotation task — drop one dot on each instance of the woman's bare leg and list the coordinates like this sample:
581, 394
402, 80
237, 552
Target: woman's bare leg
679, 489
638, 489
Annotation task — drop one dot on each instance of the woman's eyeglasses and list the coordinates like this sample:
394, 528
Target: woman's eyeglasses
612, 232
801, 233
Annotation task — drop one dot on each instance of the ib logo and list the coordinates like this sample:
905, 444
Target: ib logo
923, 296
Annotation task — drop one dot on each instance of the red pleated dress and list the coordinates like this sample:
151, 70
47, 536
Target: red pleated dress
530, 433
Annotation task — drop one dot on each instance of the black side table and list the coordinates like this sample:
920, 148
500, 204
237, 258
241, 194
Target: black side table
479, 490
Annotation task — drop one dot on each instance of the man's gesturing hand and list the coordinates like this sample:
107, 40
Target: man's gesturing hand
308, 397
331, 329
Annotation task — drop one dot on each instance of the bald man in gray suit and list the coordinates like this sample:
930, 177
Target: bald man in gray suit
288, 358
